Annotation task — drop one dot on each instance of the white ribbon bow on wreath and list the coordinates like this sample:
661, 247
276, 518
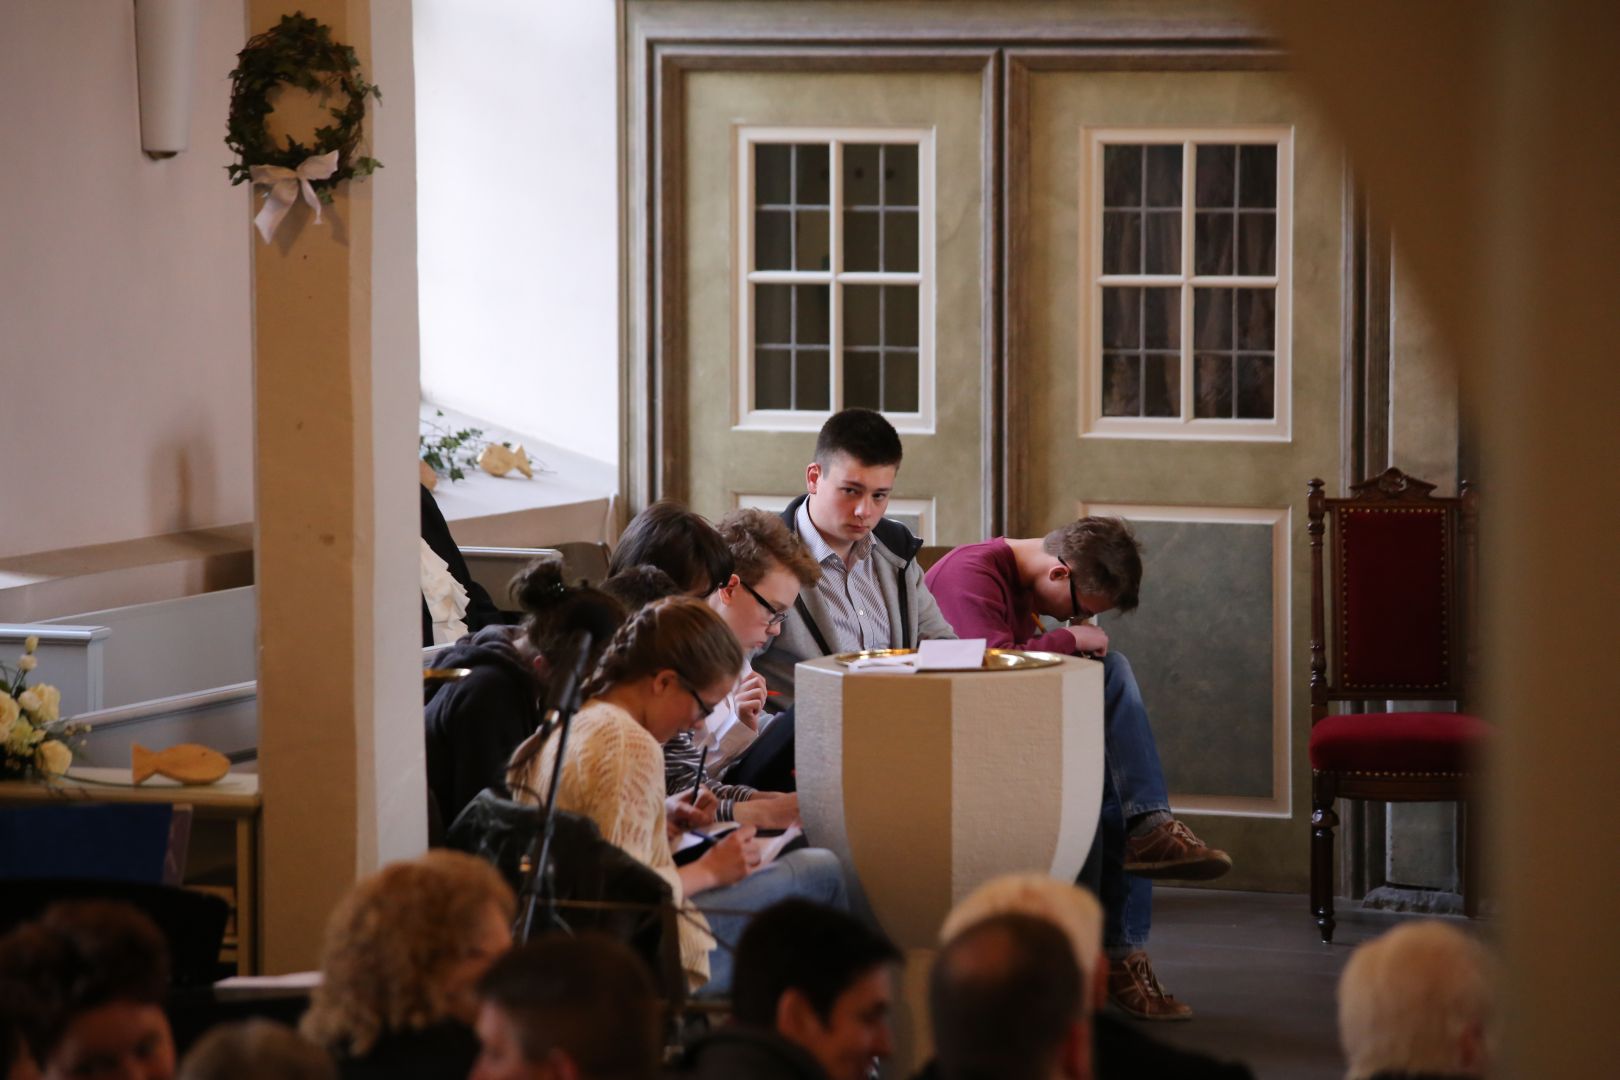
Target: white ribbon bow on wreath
284, 184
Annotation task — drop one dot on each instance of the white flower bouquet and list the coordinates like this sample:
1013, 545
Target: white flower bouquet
33, 735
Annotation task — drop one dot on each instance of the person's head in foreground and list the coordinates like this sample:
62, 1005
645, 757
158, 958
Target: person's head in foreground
769, 567
849, 482
818, 978
668, 666
568, 1008
405, 948
1417, 1001
679, 542
1096, 567
1007, 1002
93, 975
1074, 911
255, 1050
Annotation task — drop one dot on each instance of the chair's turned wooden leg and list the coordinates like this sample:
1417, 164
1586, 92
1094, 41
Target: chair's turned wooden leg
1471, 828
1323, 822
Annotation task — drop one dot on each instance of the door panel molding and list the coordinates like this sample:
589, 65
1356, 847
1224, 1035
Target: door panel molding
1241, 53
663, 42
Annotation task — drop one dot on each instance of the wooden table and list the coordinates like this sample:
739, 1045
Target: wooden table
235, 799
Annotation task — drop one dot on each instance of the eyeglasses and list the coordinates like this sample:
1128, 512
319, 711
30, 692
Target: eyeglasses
703, 707
1074, 594
778, 615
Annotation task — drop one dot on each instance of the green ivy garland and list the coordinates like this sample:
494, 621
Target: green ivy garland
300, 52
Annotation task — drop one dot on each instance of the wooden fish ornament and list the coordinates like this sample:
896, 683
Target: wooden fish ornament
498, 460
189, 763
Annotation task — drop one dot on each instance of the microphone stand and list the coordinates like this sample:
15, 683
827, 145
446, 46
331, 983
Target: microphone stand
541, 886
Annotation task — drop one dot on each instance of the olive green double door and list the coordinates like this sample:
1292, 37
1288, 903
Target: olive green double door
1073, 291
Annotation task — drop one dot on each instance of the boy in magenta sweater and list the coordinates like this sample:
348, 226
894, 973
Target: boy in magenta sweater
997, 590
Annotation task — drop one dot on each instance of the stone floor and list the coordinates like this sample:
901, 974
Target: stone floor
1256, 973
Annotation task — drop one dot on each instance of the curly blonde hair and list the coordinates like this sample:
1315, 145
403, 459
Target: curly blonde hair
390, 943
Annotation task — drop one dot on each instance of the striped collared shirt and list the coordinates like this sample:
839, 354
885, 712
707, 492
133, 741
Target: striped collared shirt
850, 595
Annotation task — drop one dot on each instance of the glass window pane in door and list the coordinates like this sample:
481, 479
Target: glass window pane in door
863, 379
861, 315
1122, 242
1161, 242
773, 314
773, 379
1161, 318
900, 174
901, 389
1257, 242
1257, 319
861, 233
1161, 385
1257, 176
900, 241
1122, 176
1212, 387
773, 174
811, 175
1216, 176
900, 326
773, 240
1213, 243
1122, 384
1122, 317
862, 174
811, 389
812, 317
1212, 318
1163, 165
811, 250
1256, 387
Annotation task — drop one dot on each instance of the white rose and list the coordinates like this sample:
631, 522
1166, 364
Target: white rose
28, 662
53, 758
42, 702
8, 715
31, 643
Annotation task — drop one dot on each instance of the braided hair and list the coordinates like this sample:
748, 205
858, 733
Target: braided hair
677, 633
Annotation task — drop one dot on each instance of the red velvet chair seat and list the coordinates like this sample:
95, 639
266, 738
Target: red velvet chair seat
1397, 742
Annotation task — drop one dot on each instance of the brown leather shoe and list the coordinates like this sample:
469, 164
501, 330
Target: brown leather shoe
1134, 990
1171, 850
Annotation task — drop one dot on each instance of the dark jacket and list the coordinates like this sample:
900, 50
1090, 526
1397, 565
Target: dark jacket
481, 610
734, 1052
445, 1051
913, 614
1122, 1050
474, 724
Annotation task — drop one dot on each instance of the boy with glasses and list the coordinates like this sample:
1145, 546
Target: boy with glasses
998, 590
769, 567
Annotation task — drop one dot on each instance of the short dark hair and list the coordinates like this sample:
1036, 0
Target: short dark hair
679, 542
1002, 995
78, 956
862, 434
798, 945
588, 996
1104, 556
637, 586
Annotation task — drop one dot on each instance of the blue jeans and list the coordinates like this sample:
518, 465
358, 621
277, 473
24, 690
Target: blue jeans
1133, 784
807, 874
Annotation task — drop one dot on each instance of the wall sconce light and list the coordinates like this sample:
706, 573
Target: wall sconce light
165, 63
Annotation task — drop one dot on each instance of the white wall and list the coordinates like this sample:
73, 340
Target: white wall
518, 215
125, 333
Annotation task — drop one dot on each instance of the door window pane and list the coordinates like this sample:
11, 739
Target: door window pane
1230, 360
873, 217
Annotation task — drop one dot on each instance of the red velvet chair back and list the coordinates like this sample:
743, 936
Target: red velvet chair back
1396, 588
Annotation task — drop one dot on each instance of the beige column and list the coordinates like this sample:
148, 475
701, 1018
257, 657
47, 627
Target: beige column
335, 385
1488, 131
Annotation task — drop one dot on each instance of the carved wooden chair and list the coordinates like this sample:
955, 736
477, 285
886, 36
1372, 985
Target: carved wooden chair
1396, 620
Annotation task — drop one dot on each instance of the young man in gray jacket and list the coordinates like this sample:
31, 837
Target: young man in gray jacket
871, 594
